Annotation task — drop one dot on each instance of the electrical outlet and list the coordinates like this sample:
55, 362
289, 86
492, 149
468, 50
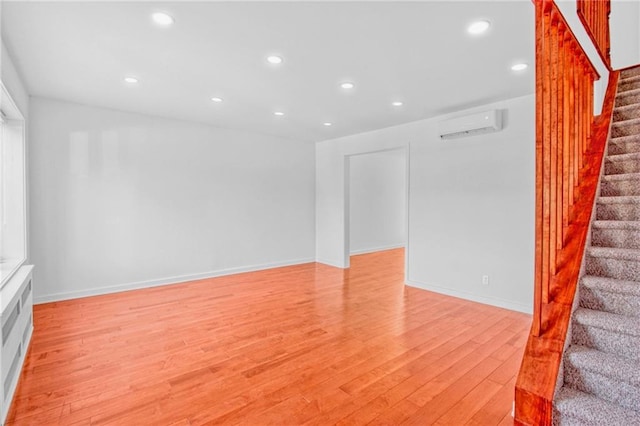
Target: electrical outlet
485, 280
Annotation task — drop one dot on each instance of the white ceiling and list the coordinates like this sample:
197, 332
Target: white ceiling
415, 52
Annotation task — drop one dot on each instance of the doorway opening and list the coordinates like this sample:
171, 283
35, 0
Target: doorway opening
376, 201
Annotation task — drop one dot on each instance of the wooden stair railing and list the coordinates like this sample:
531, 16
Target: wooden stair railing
569, 151
594, 15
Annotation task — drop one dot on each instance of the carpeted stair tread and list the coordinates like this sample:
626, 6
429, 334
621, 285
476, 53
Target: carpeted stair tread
578, 408
622, 207
628, 77
614, 253
603, 375
627, 93
612, 285
630, 84
622, 163
607, 321
610, 295
624, 145
623, 234
627, 112
624, 157
623, 199
627, 127
630, 72
630, 138
628, 121
628, 97
621, 176
622, 369
617, 224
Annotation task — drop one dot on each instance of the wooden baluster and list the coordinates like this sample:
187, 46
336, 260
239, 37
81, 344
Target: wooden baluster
561, 200
580, 83
567, 181
546, 160
586, 114
539, 271
576, 111
553, 146
572, 124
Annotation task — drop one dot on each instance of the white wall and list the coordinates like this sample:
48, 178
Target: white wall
625, 33
13, 82
378, 198
121, 200
471, 205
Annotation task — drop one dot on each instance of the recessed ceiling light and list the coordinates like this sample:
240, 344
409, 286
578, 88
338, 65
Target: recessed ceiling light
131, 80
327, 124
278, 113
347, 85
396, 104
273, 59
520, 67
161, 18
216, 99
478, 27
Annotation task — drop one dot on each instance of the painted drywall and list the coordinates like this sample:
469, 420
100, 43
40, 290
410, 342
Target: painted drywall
13, 82
625, 33
472, 211
471, 204
378, 199
121, 200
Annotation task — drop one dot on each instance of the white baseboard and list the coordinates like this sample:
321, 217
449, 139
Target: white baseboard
493, 301
374, 249
332, 263
165, 281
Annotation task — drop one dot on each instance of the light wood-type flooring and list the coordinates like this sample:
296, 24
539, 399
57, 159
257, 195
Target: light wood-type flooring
306, 344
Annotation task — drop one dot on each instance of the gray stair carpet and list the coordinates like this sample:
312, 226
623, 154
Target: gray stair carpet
601, 365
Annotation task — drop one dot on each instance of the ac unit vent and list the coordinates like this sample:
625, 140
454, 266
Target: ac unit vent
469, 125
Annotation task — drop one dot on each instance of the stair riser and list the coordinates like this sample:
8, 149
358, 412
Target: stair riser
630, 84
621, 344
620, 269
626, 146
631, 72
626, 114
619, 167
627, 98
617, 303
615, 188
618, 211
612, 390
622, 238
623, 128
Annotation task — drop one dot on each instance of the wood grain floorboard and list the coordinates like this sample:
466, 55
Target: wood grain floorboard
306, 344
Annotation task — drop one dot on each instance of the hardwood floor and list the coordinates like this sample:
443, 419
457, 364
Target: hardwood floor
307, 344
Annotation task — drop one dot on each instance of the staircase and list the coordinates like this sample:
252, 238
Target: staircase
602, 363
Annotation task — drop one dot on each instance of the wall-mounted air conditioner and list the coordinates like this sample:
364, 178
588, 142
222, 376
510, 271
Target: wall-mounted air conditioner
469, 125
